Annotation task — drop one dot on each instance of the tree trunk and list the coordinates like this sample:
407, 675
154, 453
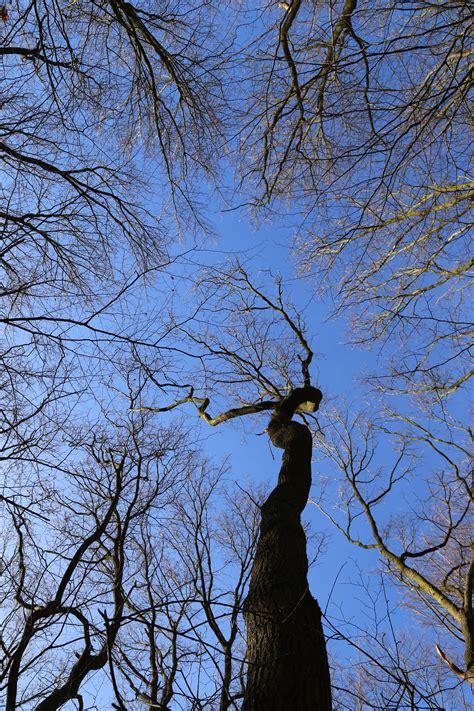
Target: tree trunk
286, 651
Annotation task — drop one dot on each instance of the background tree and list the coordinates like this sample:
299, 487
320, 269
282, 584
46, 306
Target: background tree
359, 116
88, 90
189, 606
428, 550
67, 572
389, 666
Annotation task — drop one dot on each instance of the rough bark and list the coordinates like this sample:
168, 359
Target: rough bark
286, 651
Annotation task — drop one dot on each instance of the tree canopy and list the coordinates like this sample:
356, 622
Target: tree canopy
343, 130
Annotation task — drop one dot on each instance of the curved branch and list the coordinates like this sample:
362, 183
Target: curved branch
305, 399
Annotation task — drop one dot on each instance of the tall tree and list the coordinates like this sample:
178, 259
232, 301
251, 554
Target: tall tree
286, 649
287, 663
359, 118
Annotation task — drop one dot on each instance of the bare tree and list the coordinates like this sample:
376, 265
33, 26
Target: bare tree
359, 115
68, 575
182, 641
426, 545
257, 346
286, 648
89, 91
377, 661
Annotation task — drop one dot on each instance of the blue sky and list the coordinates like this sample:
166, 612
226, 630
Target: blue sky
338, 368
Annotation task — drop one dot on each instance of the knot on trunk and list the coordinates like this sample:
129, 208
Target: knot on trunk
299, 400
294, 438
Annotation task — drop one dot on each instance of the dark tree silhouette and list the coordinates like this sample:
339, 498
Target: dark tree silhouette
286, 651
257, 347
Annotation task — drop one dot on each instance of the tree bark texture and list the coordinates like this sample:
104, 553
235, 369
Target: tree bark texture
286, 651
